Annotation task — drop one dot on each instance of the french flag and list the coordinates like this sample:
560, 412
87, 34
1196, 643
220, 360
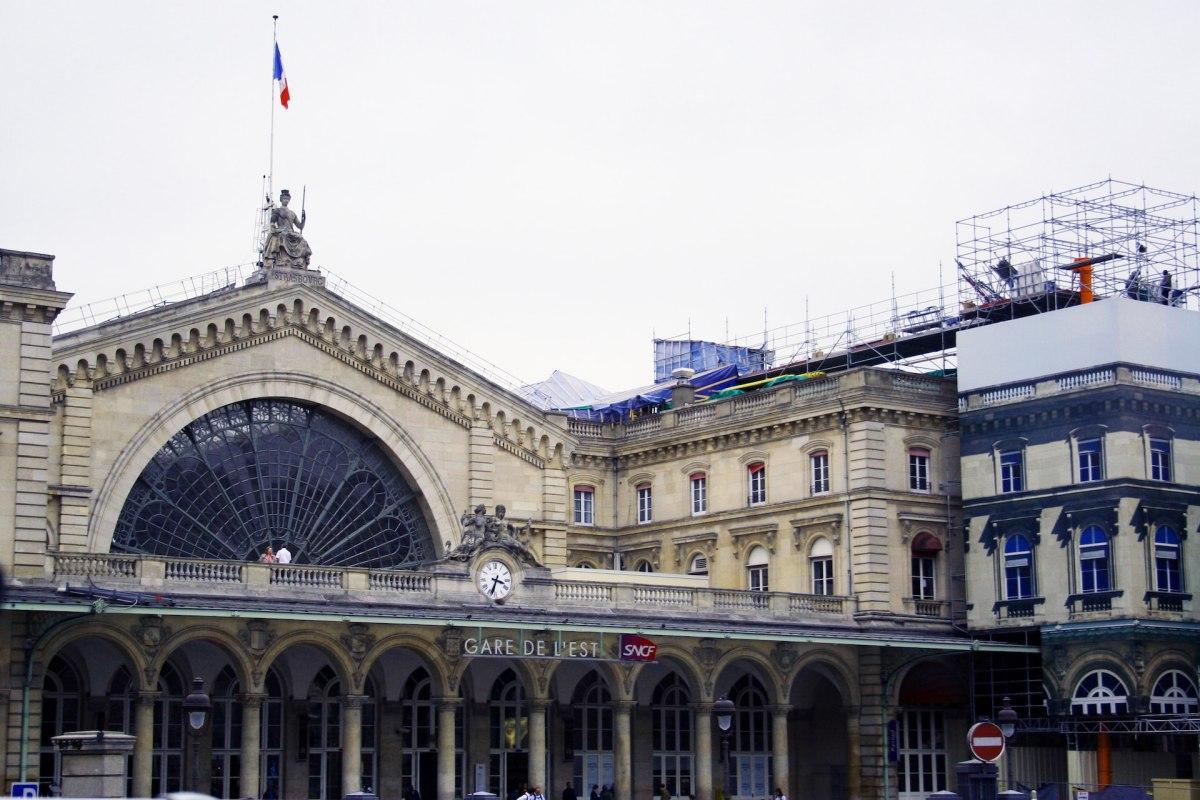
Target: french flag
281, 76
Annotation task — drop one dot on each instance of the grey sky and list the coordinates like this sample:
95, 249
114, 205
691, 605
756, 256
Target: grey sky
548, 182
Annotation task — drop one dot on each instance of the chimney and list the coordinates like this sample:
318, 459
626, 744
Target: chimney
682, 393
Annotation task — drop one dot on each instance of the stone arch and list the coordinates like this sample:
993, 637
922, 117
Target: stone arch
228, 643
831, 667
1104, 659
433, 659
346, 670
675, 659
118, 637
416, 466
532, 682
610, 671
1162, 662
766, 672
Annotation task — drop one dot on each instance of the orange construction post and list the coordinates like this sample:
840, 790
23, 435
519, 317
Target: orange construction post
1085, 280
1103, 758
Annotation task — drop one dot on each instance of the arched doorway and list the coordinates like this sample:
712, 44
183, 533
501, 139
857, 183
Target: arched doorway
673, 757
751, 742
820, 736
508, 738
226, 733
929, 718
62, 712
592, 731
324, 736
166, 764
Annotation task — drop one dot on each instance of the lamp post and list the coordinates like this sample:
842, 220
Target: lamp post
1007, 719
723, 710
196, 708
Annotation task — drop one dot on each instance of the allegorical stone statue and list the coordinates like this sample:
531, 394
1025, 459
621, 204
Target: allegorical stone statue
483, 530
286, 247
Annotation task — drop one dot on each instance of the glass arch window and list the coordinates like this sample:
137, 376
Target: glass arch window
820, 565
672, 736
62, 698
1174, 693
751, 739
509, 730
325, 736
593, 725
274, 472
1100, 692
1093, 560
1018, 567
757, 566
1167, 575
226, 731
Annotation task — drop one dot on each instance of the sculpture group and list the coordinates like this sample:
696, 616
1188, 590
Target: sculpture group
481, 529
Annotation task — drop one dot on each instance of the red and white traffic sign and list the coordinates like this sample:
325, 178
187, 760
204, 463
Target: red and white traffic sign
986, 741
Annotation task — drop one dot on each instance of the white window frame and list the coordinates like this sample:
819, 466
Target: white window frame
645, 503
1167, 551
698, 489
820, 567
1161, 466
1093, 470
758, 575
693, 568
1174, 693
1015, 557
919, 461
756, 483
1012, 480
584, 505
924, 570
1103, 698
1086, 554
818, 462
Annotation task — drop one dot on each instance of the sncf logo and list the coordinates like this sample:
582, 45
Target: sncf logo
637, 648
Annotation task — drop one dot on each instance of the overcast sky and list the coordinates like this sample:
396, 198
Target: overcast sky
548, 183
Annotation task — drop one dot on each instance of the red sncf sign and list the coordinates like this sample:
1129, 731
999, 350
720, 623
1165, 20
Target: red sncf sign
986, 741
637, 648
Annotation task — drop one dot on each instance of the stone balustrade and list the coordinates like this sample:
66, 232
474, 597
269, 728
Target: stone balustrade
262, 581
1080, 380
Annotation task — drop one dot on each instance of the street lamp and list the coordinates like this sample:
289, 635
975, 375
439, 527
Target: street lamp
196, 707
723, 709
1007, 718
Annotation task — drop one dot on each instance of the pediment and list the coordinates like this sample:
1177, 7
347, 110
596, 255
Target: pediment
180, 335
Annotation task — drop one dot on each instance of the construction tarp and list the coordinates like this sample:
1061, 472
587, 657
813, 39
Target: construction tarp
562, 390
621, 405
671, 354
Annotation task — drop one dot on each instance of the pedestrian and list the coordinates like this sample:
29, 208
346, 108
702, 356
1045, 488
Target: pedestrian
663, 792
536, 793
569, 792
595, 795
284, 556
1164, 288
606, 793
525, 793
779, 795
268, 556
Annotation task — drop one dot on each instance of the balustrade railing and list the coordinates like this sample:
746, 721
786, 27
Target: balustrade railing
752, 403
1006, 393
390, 581
585, 429
306, 577
1090, 378
190, 571
663, 596
740, 599
816, 604
573, 591
95, 565
1164, 379
693, 416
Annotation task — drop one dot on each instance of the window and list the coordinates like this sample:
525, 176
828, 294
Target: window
585, 505
699, 483
1093, 560
757, 474
756, 571
925, 548
751, 740
645, 566
1100, 692
1091, 460
820, 561
1174, 693
62, 698
645, 504
922, 750
508, 724
820, 471
698, 566
1018, 567
591, 706
1012, 471
1167, 576
918, 469
672, 736
1160, 459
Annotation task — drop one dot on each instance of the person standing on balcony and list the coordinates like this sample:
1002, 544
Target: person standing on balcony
268, 556
284, 556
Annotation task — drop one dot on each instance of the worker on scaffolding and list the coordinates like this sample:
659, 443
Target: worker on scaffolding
1164, 288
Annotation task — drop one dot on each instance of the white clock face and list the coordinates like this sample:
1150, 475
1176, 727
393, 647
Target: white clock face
495, 580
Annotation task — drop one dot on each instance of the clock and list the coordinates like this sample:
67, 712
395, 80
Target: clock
495, 580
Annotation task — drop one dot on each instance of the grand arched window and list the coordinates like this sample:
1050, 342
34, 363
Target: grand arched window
274, 472
672, 736
1100, 692
592, 708
62, 696
751, 750
1174, 693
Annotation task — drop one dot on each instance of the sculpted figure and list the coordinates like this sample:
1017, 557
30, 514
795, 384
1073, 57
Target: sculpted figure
286, 247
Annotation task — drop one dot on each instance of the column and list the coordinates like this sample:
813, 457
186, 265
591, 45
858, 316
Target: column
537, 743
447, 708
704, 750
781, 749
251, 744
352, 743
143, 749
623, 749
854, 756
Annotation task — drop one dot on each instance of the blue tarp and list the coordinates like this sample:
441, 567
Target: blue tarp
619, 406
671, 354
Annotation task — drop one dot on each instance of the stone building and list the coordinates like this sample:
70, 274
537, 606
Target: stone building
1081, 484
794, 550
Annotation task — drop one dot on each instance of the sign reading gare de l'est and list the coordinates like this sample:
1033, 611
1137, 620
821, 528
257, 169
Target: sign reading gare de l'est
630, 647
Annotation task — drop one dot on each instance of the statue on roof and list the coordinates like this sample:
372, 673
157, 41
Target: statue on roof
286, 247
482, 530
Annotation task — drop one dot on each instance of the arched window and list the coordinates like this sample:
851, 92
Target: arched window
698, 565
756, 476
593, 731
325, 736
1100, 692
118, 714
645, 503
820, 566
1018, 567
751, 742
925, 549
418, 734
585, 565
509, 731
62, 696
699, 492
1174, 693
644, 566
672, 735
757, 577
1167, 574
1094, 572
226, 731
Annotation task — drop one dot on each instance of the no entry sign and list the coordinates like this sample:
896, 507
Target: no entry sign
986, 741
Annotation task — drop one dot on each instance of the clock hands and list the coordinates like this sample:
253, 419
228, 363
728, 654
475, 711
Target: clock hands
495, 581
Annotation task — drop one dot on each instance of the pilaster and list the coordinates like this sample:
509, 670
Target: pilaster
482, 456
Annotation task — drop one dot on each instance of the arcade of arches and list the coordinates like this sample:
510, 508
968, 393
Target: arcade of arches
305, 714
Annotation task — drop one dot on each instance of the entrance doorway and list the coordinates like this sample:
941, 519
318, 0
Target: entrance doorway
427, 774
514, 774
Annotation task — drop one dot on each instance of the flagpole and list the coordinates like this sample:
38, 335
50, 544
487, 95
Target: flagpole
271, 156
